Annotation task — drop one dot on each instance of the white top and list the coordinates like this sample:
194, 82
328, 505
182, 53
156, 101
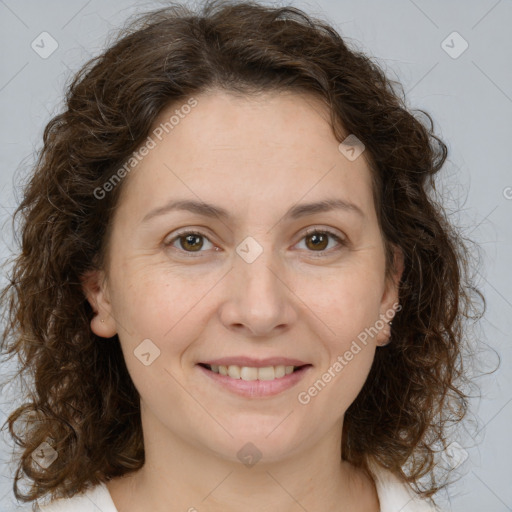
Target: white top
394, 496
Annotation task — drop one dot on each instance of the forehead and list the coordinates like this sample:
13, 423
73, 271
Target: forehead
247, 151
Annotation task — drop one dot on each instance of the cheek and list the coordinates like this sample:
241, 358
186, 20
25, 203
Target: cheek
346, 301
153, 301
347, 306
166, 309
337, 383
157, 311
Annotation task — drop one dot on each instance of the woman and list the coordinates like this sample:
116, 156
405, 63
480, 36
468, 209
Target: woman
235, 291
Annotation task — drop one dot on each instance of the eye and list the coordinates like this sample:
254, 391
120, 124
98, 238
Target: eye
189, 242
317, 240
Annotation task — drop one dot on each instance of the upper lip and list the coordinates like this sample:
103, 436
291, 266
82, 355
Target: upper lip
253, 362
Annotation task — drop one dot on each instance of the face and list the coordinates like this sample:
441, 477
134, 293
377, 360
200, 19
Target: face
260, 283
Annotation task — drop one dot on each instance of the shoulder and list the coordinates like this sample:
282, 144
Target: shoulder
92, 500
397, 495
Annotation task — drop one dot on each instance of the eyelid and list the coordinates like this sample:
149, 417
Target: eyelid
318, 229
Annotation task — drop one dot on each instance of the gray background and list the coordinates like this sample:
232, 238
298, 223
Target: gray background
469, 97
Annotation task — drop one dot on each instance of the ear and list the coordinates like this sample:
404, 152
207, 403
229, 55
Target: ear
390, 297
95, 289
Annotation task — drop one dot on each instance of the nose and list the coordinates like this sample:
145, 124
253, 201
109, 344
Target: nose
258, 300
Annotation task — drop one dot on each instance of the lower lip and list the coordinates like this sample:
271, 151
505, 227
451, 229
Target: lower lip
257, 388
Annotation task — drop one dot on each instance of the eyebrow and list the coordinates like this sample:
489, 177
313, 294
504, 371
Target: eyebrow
295, 212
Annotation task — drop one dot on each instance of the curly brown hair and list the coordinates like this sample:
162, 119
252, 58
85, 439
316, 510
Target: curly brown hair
81, 398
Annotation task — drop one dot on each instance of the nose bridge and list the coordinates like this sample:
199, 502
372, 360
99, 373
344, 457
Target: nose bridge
257, 296
256, 266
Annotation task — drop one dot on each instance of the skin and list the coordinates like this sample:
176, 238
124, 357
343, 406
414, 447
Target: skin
256, 157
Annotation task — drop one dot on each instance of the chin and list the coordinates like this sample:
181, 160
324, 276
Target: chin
251, 442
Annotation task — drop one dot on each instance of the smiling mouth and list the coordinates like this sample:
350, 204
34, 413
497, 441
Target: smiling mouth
250, 373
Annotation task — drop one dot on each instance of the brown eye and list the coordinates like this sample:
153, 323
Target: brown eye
188, 242
317, 240
191, 242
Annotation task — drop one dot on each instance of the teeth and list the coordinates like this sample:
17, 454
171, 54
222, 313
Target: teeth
280, 371
266, 373
247, 373
251, 373
234, 371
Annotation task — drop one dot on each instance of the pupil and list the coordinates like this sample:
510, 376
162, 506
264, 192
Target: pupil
318, 242
189, 240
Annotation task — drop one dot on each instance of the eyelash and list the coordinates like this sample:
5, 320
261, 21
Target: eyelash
310, 231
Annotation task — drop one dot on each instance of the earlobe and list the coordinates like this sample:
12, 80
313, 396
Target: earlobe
384, 335
95, 290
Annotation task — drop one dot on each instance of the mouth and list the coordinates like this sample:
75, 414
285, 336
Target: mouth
250, 373
253, 381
